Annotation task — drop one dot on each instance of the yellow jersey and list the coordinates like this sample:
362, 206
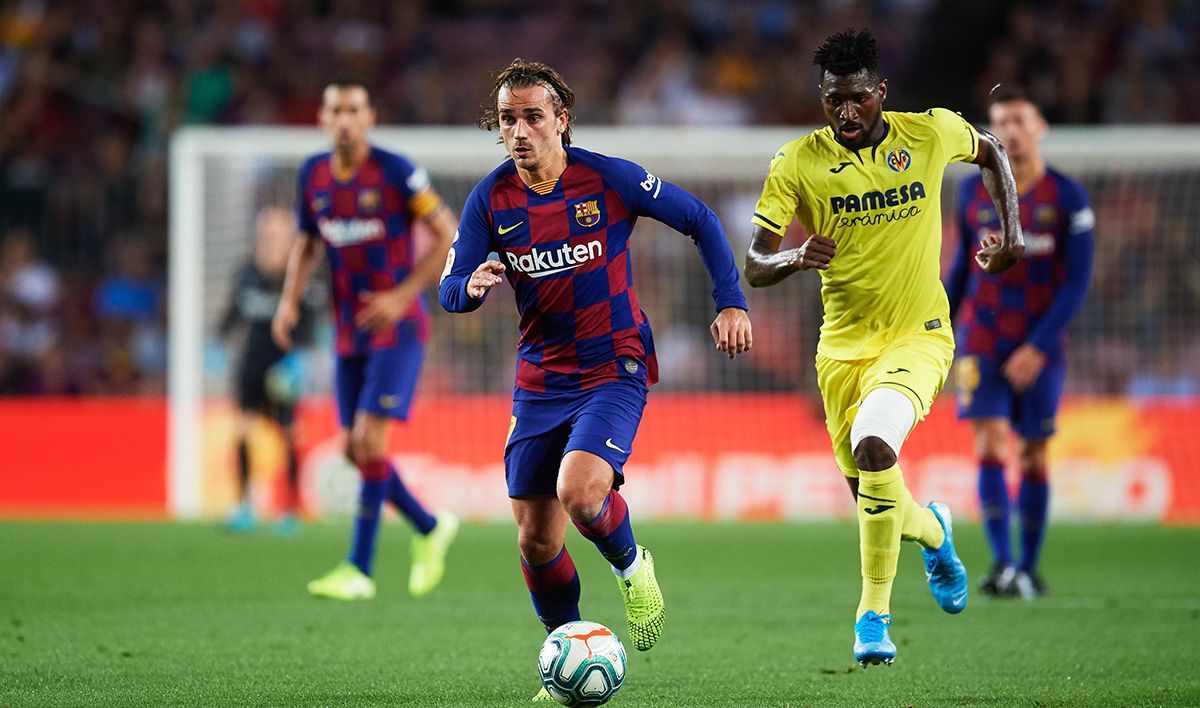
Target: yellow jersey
882, 206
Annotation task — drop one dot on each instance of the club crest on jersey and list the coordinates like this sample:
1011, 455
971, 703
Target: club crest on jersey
319, 203
899, 160
1045, 214
368, 199
587, 214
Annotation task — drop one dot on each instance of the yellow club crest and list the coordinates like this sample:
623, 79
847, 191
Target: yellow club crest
899, 160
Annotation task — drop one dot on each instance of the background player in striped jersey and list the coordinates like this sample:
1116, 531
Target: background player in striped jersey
1012, 333
267, 379
361, 201
867, 188
560, 219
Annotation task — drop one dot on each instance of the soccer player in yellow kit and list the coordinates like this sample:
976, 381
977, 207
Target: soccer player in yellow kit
867, 190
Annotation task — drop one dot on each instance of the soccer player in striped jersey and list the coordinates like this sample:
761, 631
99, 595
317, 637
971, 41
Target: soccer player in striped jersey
360, 202
867, 190
560, 219
1012, 334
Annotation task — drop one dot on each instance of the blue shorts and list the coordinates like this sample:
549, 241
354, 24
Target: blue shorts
983, 392
602, 421
381, 382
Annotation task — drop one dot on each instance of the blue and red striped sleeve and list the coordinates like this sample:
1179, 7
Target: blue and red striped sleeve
647, 195
1078, 248
472, 244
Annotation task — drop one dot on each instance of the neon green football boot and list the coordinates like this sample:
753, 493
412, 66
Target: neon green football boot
544, 696
428, 555
645, 610
345, 582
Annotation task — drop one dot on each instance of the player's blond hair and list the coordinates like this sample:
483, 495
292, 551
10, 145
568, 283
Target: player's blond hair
526, 74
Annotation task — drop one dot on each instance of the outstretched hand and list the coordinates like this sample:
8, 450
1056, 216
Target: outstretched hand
484, 277
731, 331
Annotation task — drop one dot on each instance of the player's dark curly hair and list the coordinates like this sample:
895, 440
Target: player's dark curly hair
524, 74
848, 52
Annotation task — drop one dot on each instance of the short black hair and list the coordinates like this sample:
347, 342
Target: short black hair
345, 81
848, 52
1009, 93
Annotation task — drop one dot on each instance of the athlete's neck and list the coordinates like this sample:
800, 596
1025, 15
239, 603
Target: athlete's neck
871, 142
347, 160
549, 171
1028, 170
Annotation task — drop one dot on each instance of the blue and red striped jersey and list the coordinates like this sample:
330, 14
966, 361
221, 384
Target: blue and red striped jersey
1037, 298
366, 224
567, 257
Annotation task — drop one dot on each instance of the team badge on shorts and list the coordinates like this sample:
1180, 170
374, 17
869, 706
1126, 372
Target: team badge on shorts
899, 160
587, 213
368, 199
631, 366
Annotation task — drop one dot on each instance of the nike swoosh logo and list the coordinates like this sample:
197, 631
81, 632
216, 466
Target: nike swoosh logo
505, 229
879, 509
839, 168
897, 371
609, 443
959, 600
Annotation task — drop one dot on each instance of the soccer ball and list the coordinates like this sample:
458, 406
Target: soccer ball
582, 664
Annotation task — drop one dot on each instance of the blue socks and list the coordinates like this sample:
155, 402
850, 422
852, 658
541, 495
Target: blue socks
379, 481
554, 588
366, 524
611, 532
994, 508
407, 504
1033, 503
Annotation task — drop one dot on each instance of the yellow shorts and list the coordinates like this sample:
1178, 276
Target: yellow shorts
915, 365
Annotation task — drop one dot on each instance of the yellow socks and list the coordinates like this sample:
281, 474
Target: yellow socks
887, 514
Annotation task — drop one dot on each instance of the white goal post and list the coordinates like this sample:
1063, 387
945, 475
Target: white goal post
217, 178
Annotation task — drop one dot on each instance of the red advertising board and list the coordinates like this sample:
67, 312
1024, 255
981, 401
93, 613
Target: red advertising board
712, 456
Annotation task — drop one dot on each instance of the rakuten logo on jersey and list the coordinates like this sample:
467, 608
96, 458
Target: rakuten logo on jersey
539, 263
348, 232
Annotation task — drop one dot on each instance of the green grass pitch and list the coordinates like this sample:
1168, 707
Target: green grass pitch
185, 614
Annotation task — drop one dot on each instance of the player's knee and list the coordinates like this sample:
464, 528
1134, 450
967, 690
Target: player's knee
880, 427
991, 440
537, 546
1032, 459
582, 502
872, 454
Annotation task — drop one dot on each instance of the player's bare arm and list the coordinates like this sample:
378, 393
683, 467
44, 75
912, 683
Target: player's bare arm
1001, 186
731, 331
767, 265
306, 254
384, 309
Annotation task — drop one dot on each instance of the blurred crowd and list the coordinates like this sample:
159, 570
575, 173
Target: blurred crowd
90, 92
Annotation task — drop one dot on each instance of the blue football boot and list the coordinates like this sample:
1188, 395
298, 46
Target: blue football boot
946, 574
872, 643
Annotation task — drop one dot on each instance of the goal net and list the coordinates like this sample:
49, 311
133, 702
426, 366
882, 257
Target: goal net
720, 439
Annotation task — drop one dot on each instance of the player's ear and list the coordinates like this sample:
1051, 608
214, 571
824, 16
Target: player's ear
883, 90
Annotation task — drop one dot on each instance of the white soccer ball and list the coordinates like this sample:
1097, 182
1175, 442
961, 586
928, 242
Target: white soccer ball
582, 664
